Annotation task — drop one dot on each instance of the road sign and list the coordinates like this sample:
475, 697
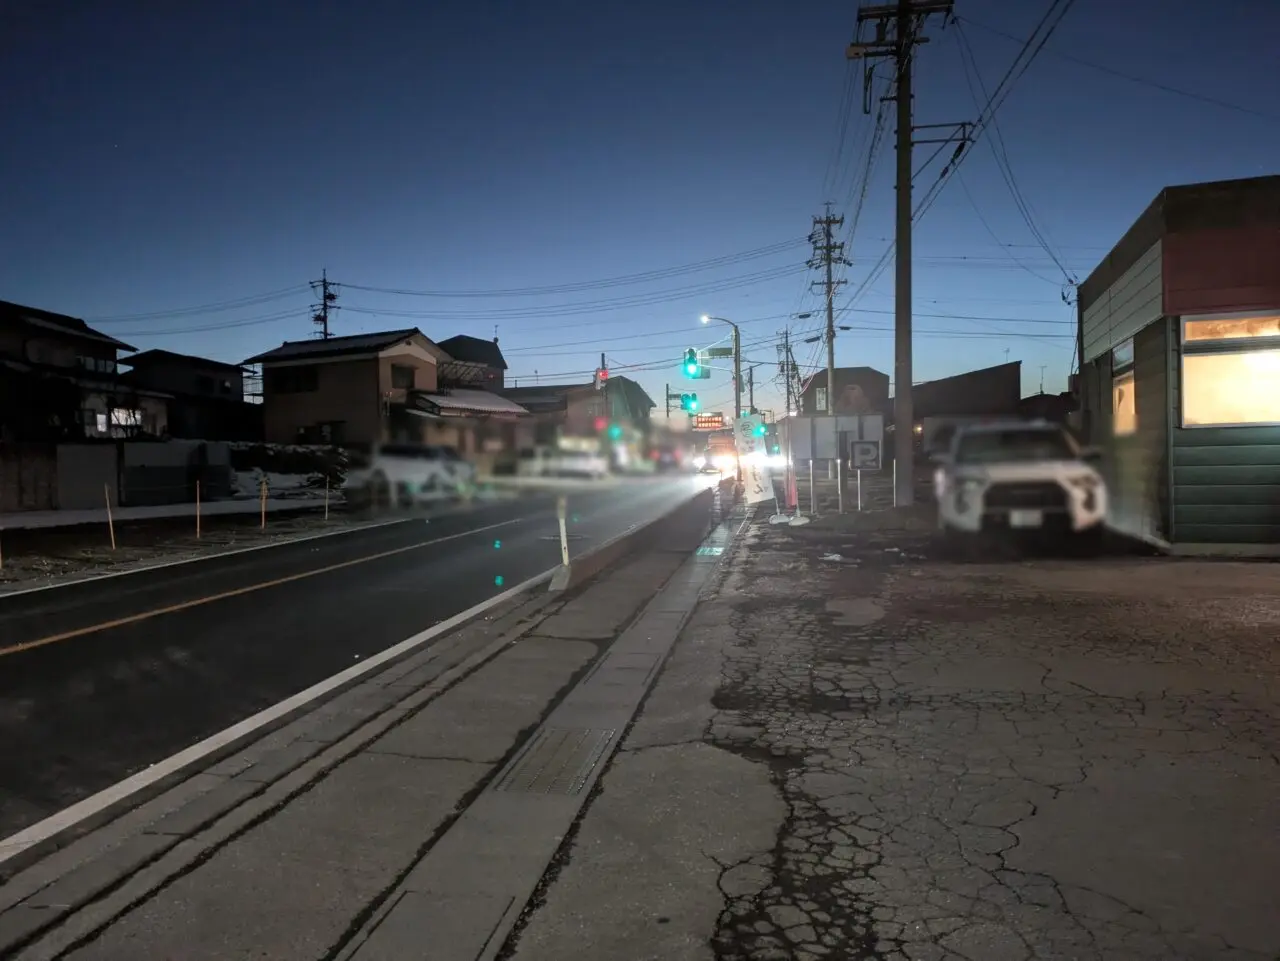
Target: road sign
719, 351
864, 454
712, 421
824, 437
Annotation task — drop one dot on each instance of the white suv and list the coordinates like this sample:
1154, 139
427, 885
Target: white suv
408, 474
1018, 476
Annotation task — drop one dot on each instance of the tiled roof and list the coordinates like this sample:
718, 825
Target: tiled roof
474, 350
336, 346
460, 403
72, 326
167, 356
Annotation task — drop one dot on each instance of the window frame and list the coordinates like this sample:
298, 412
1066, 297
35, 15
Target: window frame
1123, 367
1233, 346
399, 371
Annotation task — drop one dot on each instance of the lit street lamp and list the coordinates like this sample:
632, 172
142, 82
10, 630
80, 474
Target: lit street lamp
737, 362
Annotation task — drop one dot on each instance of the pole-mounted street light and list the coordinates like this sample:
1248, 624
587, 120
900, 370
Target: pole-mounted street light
737, 362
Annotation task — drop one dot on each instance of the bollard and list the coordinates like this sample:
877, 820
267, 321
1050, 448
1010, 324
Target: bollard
562, 513
326, 499
197, 510
262, 505
111, 524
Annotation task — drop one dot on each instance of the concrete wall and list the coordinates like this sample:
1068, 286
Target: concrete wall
85, 473
28, 477
166, 473
1130, 304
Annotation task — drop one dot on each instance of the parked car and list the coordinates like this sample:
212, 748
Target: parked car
408, 474
1020, 476
553, 462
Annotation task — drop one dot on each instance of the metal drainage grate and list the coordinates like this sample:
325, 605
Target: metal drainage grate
558, 761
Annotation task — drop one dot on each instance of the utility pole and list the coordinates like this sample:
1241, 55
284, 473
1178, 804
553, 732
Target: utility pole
827, 254
666, 396
320, 313
737, 379
608, 416
907, 17
751, 389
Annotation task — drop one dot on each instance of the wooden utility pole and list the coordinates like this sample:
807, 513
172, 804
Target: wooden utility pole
907, 19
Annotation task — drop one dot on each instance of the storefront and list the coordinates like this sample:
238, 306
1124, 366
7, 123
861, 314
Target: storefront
1179, 331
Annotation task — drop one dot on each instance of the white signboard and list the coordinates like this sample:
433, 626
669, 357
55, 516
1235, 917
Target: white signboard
823, 438
864, 454
751, 446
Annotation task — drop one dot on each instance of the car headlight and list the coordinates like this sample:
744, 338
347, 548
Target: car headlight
699, 462
1087, 485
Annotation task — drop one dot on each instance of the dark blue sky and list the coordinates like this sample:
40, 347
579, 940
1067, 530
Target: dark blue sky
161, 157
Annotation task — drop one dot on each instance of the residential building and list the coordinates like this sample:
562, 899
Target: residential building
1179, 332
341, 390
59, 380
474, 362
371, 388
207, 396
580, 410
859, 390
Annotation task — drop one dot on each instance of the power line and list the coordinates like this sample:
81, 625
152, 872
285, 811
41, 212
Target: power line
593, 306
217, 307
619, 281
1130, 77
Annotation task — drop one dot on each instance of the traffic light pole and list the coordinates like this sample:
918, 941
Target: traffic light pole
737, 377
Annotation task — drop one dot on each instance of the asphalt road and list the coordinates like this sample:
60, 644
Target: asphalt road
102, 678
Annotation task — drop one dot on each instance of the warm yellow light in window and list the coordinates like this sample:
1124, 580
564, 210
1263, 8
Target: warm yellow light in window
1240, 388
1236, 328
1124, 406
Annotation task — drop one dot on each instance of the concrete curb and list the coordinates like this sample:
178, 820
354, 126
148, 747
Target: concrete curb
684, 526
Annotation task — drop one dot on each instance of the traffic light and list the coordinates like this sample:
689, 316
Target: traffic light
760, 429
689, 402
602, 377
691, 364
615, 431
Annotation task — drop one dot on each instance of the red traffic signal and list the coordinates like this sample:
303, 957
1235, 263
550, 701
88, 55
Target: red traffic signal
602, 376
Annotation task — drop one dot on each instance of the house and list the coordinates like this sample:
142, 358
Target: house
859, 390
370, 388
207, 396
340, 390
474, 363
59, 380
1179, 334
616, 419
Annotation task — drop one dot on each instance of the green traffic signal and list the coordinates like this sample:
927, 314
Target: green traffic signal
760, 430
693, 402
615, 431
689, 402
691, 362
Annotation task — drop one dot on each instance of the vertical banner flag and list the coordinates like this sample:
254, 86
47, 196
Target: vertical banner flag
752, 450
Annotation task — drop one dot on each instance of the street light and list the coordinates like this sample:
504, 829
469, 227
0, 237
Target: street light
737, 362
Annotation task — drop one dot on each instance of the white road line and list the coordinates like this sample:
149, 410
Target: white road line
121, 790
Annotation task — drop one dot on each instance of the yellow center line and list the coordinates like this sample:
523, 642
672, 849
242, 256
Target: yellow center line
276, 582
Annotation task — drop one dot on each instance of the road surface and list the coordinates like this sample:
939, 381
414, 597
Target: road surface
102, 678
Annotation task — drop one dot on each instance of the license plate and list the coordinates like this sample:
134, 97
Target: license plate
1026, 519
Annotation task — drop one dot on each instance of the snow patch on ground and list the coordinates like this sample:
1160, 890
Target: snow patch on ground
248, 483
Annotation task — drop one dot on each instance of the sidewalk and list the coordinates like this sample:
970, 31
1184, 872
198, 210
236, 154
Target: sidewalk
891, 757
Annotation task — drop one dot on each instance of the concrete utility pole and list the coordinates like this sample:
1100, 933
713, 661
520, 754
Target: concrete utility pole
328, 295
907, 17
827, 254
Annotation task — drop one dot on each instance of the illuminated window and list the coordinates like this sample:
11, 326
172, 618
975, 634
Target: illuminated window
1231, 388
1231, 328
1124, 405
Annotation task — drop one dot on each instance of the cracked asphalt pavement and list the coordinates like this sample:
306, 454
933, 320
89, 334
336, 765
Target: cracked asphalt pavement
889, 756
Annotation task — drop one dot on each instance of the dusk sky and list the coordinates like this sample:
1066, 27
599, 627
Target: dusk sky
175, 174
